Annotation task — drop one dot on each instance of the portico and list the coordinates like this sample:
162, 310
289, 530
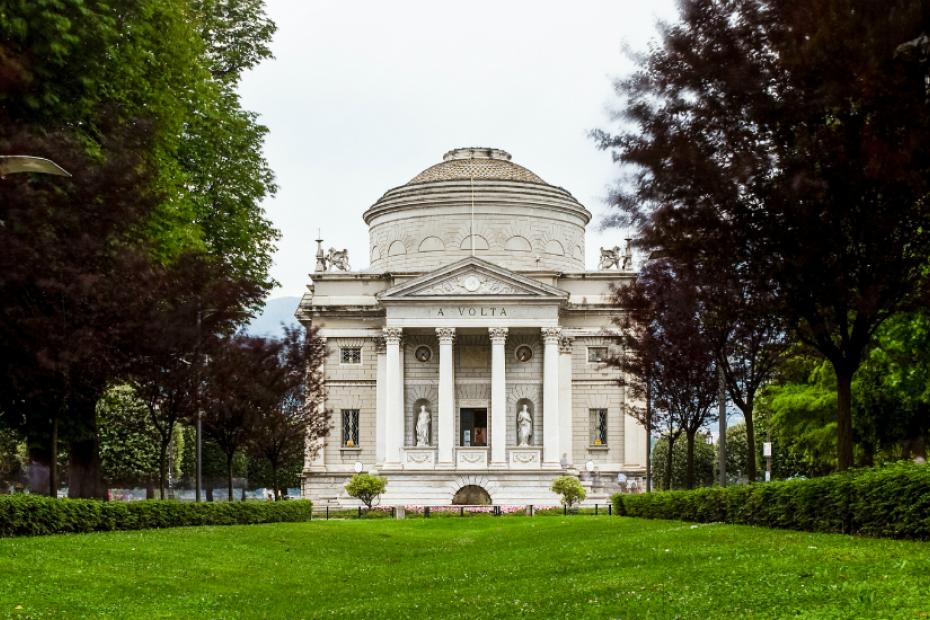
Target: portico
474, 298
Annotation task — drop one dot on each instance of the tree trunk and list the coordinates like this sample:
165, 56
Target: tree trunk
163, 467
274, 482
689, 464
668, 464
844, 431
38, 468
229, 475
84, 473
53, 460
750, 441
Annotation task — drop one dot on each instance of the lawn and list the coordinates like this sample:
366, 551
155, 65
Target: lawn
577, 566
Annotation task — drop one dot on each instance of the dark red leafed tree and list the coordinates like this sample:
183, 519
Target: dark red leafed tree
282, 433
665, 344
791, 140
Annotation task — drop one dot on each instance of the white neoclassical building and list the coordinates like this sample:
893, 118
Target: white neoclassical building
465, 361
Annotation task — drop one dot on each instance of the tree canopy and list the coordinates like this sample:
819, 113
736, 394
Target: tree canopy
789, 141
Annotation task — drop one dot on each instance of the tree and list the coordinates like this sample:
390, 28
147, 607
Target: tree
194, 303
129, 452
366, 488
75, 279
704, 457
665, 342
795, 136
570, 490
166, 163
241, 386
281, 433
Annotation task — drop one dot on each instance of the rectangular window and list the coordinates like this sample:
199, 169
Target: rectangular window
597, 355
350, 428
598, 426
351, 355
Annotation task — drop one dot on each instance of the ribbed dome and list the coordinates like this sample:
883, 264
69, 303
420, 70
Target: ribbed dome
476, 202
476, 163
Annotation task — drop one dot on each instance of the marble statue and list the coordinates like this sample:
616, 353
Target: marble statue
524, 426
338, 259
611, 257
423, 427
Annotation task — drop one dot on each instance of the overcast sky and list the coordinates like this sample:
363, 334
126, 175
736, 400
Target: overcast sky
361, 96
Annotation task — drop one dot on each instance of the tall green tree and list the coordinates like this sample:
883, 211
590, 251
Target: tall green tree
795, 136
133, 99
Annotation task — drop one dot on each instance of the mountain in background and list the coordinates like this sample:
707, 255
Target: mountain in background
277, 311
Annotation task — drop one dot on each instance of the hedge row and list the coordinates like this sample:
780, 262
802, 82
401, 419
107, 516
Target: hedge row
25, 515
891, 502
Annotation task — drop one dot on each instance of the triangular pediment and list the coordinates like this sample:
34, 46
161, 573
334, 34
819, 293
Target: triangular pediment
472, 277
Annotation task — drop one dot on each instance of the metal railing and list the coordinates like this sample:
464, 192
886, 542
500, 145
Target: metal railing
328, 511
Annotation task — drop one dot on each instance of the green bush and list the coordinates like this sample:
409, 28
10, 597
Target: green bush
366, 488
570, 489
891, 501
25, 515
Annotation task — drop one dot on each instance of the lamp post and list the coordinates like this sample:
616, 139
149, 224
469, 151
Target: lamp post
15, 164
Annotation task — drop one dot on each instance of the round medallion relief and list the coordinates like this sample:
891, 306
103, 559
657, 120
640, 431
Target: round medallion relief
524, 353
471, 283
423, 353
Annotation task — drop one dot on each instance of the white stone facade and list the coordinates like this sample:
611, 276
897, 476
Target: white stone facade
475, 306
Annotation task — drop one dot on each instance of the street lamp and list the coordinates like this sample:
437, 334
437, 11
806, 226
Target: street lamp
15, 164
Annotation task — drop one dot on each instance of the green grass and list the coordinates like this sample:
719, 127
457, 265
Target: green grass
579, 566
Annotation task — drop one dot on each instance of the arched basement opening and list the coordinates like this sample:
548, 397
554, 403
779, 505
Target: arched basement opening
471, 495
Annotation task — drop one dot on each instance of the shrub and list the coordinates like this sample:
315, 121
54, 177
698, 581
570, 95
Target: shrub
570, 489
892, 501
25, 515
366, 487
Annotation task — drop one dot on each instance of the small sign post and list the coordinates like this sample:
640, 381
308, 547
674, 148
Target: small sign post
767, 453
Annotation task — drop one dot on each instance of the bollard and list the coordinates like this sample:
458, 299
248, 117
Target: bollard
426, 512
531, 510
595, 509
327, 512
359, 512
393, 512
610, 509
565, 509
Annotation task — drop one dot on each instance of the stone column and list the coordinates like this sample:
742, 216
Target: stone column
566, 442
498, 337
446, 427
551, 395
380, 401
393, 397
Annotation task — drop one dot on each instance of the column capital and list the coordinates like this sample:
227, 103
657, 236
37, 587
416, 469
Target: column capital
566, 343
498, 335
392, 335
551, 334
445, 334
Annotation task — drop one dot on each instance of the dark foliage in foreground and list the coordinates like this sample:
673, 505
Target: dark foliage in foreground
28, 515
893, 502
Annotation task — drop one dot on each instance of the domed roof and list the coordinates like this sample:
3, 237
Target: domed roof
476, 163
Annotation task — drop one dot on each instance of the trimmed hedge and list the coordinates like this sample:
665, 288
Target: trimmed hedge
27, 515
892, 502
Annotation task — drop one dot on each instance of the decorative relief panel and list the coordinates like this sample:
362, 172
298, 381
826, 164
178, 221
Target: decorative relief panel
473, 283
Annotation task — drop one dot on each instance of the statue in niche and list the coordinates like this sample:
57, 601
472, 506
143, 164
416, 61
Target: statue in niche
423, 427
524, 426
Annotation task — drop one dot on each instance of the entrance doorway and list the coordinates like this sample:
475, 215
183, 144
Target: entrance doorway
471, 495
473, 427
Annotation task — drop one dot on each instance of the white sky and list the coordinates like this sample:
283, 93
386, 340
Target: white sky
361, 96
